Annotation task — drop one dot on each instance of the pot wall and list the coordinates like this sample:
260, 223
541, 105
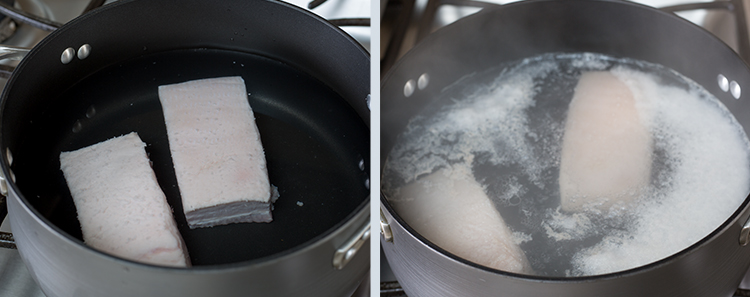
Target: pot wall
64, 268
712, 267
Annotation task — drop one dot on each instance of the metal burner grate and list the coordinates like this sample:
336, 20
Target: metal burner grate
736, 8
405, 23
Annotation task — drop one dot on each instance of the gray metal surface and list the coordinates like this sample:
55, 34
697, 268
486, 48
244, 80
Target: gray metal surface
15, 279
423, 270
66, 269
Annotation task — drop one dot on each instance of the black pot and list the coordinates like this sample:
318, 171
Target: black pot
309, 86
713, 266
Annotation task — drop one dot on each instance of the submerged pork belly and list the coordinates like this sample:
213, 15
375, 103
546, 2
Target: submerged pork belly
217, 153
606, 150
450, 209
120, 206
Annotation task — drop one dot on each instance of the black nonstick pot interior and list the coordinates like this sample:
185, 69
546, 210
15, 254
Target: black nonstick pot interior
314, 143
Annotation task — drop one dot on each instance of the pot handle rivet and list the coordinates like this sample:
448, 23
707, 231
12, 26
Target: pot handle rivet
423, 81
409, 88
745, 233
67, 55
385, 228
735, 89
347, 252
723, 82
8, 156
84, 51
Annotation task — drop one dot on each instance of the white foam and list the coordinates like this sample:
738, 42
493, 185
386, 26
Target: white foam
708, 159
561, 226
475, 123
520, 237
588, 61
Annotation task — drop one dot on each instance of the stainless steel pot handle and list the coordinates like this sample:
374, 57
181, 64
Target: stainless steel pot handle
385, 228
13, 52
6, 239
745, 233
10, 53
346, 252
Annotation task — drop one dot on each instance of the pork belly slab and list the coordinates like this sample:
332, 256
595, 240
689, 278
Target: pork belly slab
217, 153
121, 208
449, 208
606, 149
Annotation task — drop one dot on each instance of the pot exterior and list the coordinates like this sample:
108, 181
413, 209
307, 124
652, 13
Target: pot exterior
713, 267
65, 268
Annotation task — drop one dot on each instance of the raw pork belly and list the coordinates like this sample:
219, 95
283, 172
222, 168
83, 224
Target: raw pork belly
450, 209
606, 150
120, 206
217, 154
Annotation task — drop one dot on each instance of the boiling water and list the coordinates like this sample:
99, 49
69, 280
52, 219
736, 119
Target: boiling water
507, 124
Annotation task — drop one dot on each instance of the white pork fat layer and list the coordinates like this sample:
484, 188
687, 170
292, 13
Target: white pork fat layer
606, 149
449, 208
217, 152
120, 205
